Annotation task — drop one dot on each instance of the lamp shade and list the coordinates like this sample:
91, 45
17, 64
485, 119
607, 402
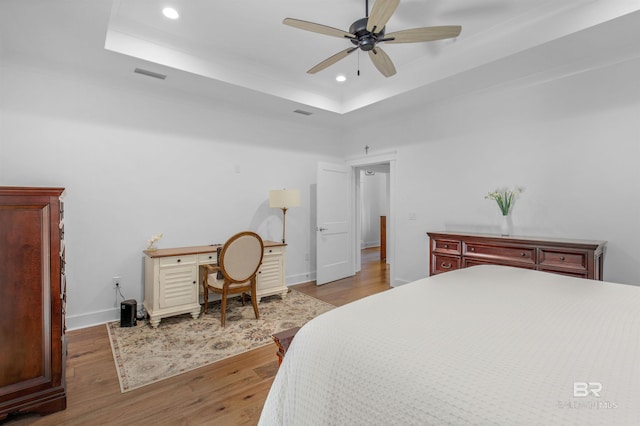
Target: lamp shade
284, 198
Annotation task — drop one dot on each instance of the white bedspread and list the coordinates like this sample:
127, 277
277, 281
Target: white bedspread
482, 345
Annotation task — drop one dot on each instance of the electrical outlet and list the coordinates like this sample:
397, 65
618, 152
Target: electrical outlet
116, 282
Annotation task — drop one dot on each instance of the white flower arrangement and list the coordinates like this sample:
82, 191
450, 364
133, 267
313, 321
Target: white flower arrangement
153, 240
504, 198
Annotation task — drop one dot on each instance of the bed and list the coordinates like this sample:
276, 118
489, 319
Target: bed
482, 345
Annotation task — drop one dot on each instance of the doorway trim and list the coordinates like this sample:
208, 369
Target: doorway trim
369, 160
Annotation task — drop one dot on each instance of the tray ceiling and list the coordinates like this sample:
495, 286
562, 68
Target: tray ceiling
244, 43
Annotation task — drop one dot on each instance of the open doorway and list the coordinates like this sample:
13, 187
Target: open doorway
387, 161
338, 217
372, 211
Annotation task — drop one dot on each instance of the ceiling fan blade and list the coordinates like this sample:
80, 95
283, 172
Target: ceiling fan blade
382, 61
416, 35
317, 28
380, 14
331, 60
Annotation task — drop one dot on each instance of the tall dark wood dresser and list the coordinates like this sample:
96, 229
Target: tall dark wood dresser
32, 291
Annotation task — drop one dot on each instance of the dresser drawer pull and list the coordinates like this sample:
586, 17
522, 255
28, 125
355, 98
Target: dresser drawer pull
523, 254
194, 282
446, 265
446, 246
472, 249
561, 257
178, 260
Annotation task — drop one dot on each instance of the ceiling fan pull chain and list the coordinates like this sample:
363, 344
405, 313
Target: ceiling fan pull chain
358, 62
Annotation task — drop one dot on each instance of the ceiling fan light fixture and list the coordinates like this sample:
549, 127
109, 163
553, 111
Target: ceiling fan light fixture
341, 78
366, 33
170, 13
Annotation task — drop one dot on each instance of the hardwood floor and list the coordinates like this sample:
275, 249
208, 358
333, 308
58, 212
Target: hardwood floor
229, 392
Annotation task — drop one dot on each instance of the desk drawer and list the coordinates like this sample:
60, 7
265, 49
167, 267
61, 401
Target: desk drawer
273, 250
524, 255
207, 258
177, 260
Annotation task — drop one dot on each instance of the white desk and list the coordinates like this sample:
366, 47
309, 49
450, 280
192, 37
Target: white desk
172, 277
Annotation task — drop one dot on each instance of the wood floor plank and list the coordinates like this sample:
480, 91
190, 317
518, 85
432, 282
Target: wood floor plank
228, 392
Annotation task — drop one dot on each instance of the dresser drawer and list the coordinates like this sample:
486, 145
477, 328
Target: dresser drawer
524, 255
467, 262
576, 261
446, 246
445, 264
566, 272
177, 260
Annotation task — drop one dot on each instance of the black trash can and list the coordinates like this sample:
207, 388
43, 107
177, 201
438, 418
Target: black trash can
128, 309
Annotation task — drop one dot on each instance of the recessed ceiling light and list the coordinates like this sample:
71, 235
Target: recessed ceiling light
341, 78
170, 13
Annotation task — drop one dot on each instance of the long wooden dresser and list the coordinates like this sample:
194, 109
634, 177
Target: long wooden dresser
32, 289
578, 258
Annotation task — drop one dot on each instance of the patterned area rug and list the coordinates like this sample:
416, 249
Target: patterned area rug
144, 355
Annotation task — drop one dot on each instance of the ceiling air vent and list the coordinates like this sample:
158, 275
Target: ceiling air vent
150, 73
303, 112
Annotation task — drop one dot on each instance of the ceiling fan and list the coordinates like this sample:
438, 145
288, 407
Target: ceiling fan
366, 33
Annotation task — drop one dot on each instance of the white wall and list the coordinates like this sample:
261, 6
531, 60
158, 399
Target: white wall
135, 165
574, 143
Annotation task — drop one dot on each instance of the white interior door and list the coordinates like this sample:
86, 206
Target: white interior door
334, 240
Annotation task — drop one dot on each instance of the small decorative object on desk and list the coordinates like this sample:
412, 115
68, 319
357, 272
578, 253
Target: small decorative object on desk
153, 240
505, 199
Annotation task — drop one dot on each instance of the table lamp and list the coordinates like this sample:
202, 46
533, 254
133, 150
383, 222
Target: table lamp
283, 199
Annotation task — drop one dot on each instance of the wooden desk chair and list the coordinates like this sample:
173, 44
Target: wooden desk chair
239, 261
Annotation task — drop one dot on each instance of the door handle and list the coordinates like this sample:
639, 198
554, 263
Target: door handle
323, 229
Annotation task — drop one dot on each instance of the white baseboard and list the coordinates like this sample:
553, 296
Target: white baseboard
370, 244
76, 322
399, 281
300, 278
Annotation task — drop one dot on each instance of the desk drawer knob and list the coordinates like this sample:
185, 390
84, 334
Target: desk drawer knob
178, 260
